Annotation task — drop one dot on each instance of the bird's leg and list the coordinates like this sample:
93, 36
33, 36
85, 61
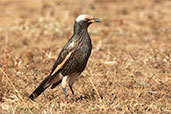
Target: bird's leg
70, 86
73, 96
66, 96
64, 83
71, 81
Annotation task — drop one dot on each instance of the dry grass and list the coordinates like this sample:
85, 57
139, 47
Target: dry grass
129, 70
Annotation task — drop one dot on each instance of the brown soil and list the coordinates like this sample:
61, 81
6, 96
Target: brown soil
129, 70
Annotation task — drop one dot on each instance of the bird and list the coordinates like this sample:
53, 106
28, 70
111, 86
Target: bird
72, 59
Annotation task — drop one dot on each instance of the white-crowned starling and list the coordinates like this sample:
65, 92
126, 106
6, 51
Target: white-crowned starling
72, 59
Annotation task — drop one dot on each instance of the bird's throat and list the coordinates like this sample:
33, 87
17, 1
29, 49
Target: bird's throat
77, 29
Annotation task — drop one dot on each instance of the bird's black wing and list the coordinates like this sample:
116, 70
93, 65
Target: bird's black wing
62, 58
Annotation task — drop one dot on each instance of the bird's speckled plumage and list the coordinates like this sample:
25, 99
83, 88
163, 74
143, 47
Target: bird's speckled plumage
72, 59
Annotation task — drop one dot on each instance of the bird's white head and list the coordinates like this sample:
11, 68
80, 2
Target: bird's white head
86, 17
83, 21
83, 17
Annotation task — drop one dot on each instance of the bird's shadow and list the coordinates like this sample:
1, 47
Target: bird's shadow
86, 96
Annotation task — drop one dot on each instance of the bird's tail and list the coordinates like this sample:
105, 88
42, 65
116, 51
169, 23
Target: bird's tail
43, 86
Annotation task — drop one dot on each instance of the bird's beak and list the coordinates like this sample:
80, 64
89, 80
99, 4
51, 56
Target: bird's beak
93, 20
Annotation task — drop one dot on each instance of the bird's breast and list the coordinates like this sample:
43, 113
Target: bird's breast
77, 61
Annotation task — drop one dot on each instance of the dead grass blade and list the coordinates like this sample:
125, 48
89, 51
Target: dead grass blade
18, 93
100, 99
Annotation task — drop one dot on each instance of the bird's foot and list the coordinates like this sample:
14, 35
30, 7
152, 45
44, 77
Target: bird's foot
74, 98
66, 97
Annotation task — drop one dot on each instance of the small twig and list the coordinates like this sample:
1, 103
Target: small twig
19, 95
132, 56
101, 102
95, 89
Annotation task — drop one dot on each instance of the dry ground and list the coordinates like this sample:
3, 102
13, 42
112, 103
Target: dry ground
129, 70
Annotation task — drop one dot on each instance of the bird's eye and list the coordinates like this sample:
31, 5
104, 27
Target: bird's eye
86, 19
